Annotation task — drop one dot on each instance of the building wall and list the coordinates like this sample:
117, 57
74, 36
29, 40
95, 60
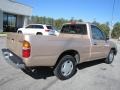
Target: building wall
25, 21
23, 12
14, 7
1, 21
20, 21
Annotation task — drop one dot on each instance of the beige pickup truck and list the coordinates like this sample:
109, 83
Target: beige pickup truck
76, 43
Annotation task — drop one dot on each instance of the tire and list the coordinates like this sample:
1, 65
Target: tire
19, 32
110, 57
66, 68
39, 34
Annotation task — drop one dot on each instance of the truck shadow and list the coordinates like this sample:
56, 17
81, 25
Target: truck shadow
45, 72
89, 64
40, 72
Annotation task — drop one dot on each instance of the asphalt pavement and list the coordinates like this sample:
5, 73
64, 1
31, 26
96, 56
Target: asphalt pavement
94, 75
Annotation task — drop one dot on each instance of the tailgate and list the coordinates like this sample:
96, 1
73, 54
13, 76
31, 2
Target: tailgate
14, 43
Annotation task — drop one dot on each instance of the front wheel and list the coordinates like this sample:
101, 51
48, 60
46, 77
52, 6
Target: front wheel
19, 32
66, 68
110, 57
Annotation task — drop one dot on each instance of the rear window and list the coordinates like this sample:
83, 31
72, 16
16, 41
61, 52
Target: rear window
74, 29
49, 27
35, 26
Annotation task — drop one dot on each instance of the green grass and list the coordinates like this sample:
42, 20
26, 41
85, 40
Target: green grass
2, 32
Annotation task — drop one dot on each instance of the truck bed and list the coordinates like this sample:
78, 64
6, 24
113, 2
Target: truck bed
45, 50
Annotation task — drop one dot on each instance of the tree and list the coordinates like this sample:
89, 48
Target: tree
57, 23
96, 23
116, 30
80, 20
72, 19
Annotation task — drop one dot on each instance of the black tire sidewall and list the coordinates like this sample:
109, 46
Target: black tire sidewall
19, 32
57, 70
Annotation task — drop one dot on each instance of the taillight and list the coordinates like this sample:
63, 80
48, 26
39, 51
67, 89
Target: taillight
47, 30
26, 49
26, 53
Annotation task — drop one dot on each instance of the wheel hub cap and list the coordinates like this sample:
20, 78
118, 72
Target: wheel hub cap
111, 56
67, 68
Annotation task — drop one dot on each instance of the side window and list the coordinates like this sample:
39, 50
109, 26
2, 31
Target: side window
35, 26
97, 33
74, 29
49, 27
38, 26
30, 26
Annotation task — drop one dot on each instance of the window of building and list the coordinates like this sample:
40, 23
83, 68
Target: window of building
9, 22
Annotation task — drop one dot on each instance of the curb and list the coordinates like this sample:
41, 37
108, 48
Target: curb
3, 35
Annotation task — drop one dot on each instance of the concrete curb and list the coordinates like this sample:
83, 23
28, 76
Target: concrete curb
3, 35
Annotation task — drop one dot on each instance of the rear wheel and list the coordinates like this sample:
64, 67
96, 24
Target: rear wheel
19, 32
39, 33
66, 68
110, 57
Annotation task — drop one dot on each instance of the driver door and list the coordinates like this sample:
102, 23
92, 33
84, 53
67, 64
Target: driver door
99, 45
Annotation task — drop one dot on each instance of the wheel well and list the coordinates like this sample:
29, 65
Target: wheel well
20, 31
115, 51
38, 33
74, 53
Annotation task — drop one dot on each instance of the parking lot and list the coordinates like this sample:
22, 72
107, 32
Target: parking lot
94, 75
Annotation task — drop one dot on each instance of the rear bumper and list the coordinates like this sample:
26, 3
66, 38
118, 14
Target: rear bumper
13, 59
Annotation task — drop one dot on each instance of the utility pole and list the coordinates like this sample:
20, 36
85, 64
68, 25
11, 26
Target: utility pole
111, 26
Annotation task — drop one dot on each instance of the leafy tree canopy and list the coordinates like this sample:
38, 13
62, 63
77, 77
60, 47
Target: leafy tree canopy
116, 30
